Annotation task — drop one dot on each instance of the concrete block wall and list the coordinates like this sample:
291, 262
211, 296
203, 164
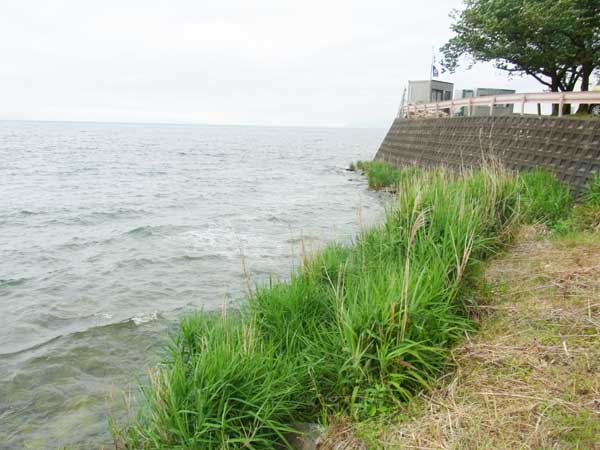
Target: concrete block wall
568, 147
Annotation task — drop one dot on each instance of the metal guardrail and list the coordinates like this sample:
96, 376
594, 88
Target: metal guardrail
559, 98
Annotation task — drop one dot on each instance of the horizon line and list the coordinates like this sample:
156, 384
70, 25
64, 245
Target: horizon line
117, 122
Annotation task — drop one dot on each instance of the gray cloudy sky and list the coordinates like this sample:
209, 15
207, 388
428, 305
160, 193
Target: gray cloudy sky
263, 62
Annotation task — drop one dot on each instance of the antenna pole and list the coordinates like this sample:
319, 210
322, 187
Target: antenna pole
432, 63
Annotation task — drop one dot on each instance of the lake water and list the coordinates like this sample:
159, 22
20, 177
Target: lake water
110, 232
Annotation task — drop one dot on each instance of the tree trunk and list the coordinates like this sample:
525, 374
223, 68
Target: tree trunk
585, 85
554, 88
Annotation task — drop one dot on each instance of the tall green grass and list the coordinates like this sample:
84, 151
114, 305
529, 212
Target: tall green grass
544, 198
591, 195
585, 215
358, 328
223, 386
382, 175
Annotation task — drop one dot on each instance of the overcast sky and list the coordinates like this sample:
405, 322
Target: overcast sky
259, 62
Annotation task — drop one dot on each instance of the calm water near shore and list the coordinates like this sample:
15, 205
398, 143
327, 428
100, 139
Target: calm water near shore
109, 232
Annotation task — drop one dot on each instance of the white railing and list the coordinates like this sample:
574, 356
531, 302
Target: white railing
557, 98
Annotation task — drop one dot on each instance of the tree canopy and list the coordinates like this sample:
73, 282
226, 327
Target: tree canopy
555, 41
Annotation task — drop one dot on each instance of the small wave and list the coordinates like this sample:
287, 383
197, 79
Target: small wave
97, 217
150, 230
219, 238
13, 216
135, 320
105, 316
144, 318
303, 239
118, 213
31, 348
273, 218
136, 262
12, 282
189, 258
80, 242
144, 230
26, 212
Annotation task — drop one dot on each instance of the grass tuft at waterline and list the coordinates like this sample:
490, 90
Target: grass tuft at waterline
357, 330
382, 175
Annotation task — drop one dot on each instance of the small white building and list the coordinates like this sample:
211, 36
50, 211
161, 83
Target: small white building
427, 91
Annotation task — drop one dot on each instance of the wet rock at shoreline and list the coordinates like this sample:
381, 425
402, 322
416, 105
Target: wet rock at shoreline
307, 437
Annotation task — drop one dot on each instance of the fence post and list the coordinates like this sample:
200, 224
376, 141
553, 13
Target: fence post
493, 101
523, 100
470, 106
560, 104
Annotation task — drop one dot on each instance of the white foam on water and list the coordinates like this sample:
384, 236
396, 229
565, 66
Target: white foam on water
144, 318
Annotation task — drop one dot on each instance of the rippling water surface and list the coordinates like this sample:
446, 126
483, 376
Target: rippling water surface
109, 232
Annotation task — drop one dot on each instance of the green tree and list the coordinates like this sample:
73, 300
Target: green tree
557, 42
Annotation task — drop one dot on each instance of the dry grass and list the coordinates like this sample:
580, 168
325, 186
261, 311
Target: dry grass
530, 379
340, 436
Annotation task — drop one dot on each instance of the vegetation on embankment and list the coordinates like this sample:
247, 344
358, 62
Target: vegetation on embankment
529, 378
357, 330
380, 175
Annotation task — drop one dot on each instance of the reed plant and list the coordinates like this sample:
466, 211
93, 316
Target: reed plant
585, 214
358, 328
591, 196
222, 386
380, 174
544, 198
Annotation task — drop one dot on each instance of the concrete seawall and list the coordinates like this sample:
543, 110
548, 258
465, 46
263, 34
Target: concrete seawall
568, 147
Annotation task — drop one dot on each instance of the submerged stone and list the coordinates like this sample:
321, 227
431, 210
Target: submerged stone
308, 436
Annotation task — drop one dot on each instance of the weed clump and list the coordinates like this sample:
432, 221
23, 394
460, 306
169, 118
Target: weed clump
380, 174
585, 215
544, 198
222, 386
592, 192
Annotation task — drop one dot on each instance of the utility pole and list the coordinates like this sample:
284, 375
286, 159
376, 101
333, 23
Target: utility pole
402, 102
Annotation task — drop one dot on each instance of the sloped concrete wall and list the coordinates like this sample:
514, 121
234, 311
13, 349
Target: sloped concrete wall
568, 147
